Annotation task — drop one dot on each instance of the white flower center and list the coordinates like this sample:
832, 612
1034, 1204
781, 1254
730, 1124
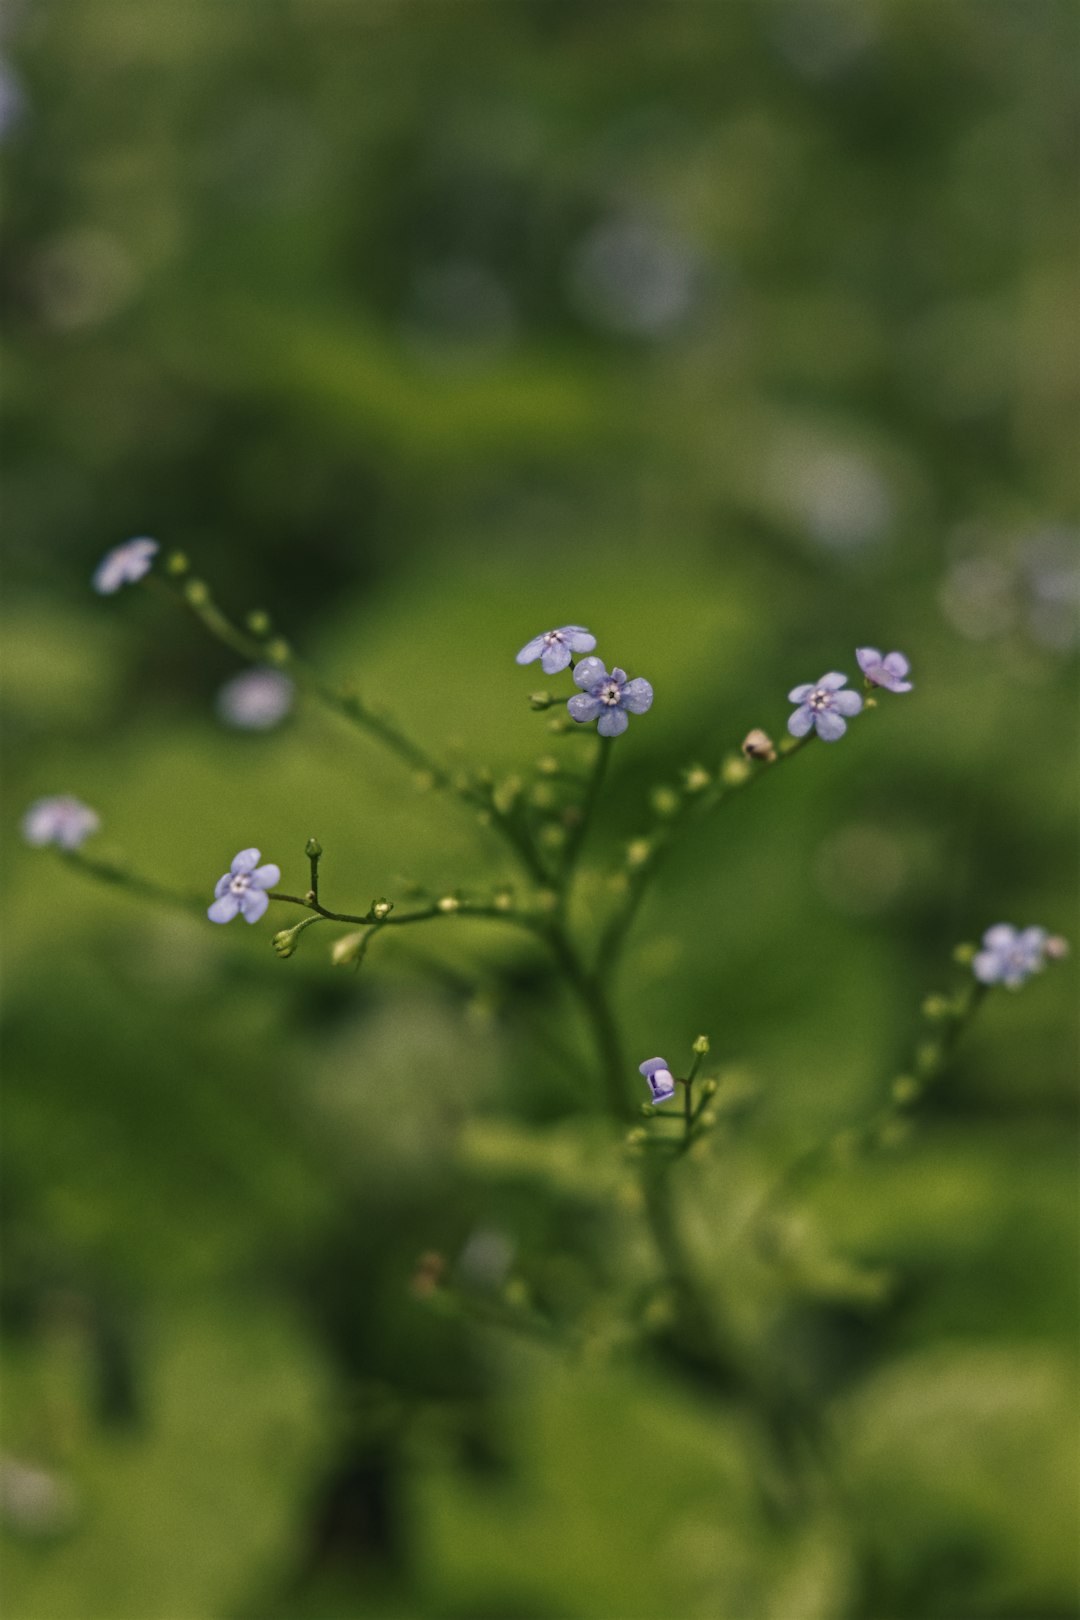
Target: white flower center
552, 637
610, 693
820, 698
240, 882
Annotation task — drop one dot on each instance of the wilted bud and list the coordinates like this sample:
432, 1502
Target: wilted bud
258, 622
696, 778
734, 771
197, 592
665, 801
313, 849
176, 564
381, 909
757, 744
701, 1046
346, 949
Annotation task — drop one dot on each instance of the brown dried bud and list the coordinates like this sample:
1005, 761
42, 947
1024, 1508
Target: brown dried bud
757, 744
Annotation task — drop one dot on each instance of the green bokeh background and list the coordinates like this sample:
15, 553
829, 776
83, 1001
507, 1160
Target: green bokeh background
744, 333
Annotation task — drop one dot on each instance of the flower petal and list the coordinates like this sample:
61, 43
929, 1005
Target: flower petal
830, 726
619, 675
987, 967
264, 877
580, 639
590, 672
253, 903
847, 702
555, 657
833, 681
867, 658
583, 708
651, 1065
531, 650
637, 696
662, 1085
800, 722
224, 910
896, 664
246, 861
1002, 937
222, 885
799, 694
612, 723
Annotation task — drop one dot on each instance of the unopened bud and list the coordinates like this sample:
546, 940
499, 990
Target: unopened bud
707, 1120
258, 622
665, 801
936, 1008
346, 949
552, 836
543, 796
734, 771
757, 744
541, 700
870, 703
506, 794
701, 1046
638, 852
176, 564
548, 765
503, 900
285, 941
559, 724
197, 593
313, 849
710, 1087
449, 903
696, 778
423, 781
964, 954
278, 651
905, 1089
381, 909
927, 1056
1056, 947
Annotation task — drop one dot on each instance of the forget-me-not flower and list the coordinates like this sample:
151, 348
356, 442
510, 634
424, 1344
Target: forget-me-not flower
241, 892
660, 1078
60, 820
1010, 955
256, 699
890, 672
124, 565
608, 699
823, 705
554, 647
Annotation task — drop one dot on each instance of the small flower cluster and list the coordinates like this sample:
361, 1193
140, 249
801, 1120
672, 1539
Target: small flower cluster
1010, 955
825, 706
61, 820
608, 697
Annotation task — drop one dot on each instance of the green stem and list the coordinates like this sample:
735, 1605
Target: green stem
588, 803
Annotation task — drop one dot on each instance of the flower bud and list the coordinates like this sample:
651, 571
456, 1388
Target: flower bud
313, 849
757, 744
285, 941
552, 836
638, 852
196, 593
905, 1089
936, 1008
176, 564
506, 794
710, 1087
543, 796
665, 801
503, 900
701, 1046
708, 1119
278, 651
734, 772
258, 622
346, 949
1056, 948
423, 781
559, 724
547, 765
541, 700
964, 954
381, 909
696, 778
448, 904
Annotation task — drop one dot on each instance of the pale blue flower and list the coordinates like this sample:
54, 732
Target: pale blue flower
124, 565
823, 706
241, 892
255, 700
608, 699
660, 1078
1010, 955
890, 672
554, 647
60, 820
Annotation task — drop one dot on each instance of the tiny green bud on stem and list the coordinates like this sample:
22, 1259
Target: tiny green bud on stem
258, 622
176, 564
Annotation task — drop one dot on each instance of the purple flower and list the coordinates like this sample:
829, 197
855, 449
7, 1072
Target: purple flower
554, 647
124, 565
888, 672
607, 698
59, 820
660, 1078
1010, 955
823, 706
242, 890
255, 700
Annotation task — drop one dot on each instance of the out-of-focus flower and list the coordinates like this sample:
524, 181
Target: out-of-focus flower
608, 699
888, 672
60, 819
634, 279
124, 565
255, 700
823, 706
757, 744
33, 1501
660, 1078
241, 892
1010, 955
554, 647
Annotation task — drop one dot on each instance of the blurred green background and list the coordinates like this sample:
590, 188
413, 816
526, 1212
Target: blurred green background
743, 333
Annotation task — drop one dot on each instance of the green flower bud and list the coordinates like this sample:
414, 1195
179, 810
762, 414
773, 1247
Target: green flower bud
448, 904
347, 948
197, 593
638, 852
964, 955
734, 772
313, 849
552, 836
503, 900
696, 778
258, 622
278, 651
381, 909
905, 1089
541, 700
176, 564
936, 1007
710, 1087
547, 765
701, 1046
665, 801
423, 781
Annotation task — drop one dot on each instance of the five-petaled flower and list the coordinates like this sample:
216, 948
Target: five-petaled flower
60, 820
124, 565
660, 1078
608, 699
241, 892
554, 647
890, 672
1010, 955
823, 705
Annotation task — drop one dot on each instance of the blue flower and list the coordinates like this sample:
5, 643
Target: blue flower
608, 698
59, 820
822, 705
1010, 955
660, 1078
554, 647
242, 890
256, 699
124, 565
889, 672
